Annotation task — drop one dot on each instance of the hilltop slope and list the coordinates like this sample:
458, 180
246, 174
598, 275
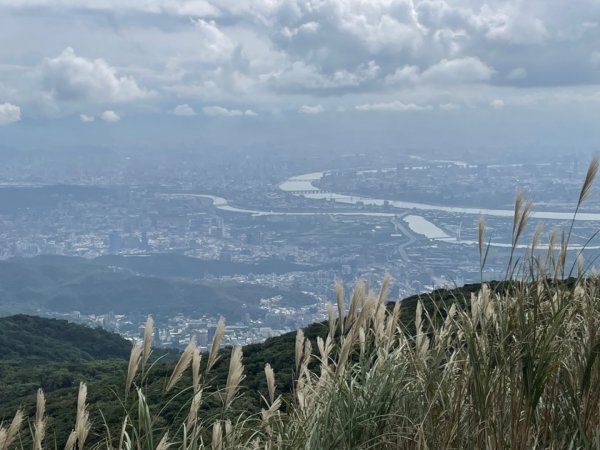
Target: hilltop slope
36, 338
65, 284
59, 374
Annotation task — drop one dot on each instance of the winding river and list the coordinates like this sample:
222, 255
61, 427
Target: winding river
302, 185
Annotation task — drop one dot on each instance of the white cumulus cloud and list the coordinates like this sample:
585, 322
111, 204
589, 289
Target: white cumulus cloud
70, 77
392, 106
110, 116
461, 70
497, 104
220, 111
308, 109
86, 118
184, 110
9, 113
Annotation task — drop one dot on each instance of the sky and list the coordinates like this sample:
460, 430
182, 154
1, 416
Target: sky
344, 74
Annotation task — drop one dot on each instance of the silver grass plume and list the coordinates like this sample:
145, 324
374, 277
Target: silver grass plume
235, 376
40, 421
270, 377
196, 359
164, 444
392, 322
480, 232
194, 406
148, 334
266, 414
384, 287
325, 348
307, 354
362, 340
184, 361
357, 298
298, 348
422, 341
536, 236
82, 423
217, 436
347, 344
71, 441
339, 298
588, 180
331, 319
8, 435
134, 363
213, 355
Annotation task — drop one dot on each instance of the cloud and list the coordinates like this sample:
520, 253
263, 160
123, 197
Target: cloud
404, 75
184, 8
517, 74
391, 106
213, 44
510, 25
9, 113
497, 104
446, 71
449, 106
154, 55
110, 116
69, 77
184, 110
308, 28
307, 109
300, 77
86, 119
219, 111
461, 70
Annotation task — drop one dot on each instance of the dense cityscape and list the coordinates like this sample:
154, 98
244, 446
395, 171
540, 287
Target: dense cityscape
359, 220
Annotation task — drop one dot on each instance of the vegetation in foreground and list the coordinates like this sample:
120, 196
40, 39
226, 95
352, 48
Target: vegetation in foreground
515, 367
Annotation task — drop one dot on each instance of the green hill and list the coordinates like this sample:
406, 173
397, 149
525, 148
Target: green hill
65, 284
36, 338
66, 354
180, 266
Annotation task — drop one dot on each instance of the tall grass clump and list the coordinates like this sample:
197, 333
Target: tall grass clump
514, 366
